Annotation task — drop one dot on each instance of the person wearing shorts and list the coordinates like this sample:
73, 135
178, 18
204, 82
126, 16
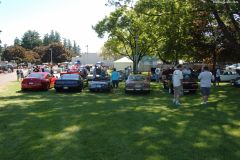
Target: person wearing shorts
205, 78
177, 84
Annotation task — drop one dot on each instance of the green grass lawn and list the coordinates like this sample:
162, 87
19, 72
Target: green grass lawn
116, 126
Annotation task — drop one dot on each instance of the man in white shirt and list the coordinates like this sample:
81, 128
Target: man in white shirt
177, 84
205, 78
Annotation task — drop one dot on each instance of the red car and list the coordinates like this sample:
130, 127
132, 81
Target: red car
70, 71
38, 81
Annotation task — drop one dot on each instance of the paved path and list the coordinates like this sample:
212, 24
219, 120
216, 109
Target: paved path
7, 77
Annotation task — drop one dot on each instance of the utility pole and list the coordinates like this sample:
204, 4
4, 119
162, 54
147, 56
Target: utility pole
51, 55
87, 48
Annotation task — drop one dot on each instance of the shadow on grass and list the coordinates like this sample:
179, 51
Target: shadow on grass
85, 125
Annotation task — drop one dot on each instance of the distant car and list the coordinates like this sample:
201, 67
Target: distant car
90, 75
38, 81
71, 71
236, 82
69, 82
137, 83
189, 83
227, 76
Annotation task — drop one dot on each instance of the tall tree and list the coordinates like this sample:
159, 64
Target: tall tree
126, 31
17, 41
31, 39
16, 53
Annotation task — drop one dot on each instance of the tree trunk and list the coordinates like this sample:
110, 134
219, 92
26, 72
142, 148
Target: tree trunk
135, 67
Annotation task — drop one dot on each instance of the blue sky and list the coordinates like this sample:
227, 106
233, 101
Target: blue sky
73, 19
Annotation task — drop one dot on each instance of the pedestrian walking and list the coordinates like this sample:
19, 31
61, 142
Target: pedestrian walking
115, 78
205, 78
177, 84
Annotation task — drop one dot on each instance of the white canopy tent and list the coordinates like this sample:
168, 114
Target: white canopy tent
122, 63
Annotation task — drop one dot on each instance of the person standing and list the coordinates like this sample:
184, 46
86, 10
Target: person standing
115, 78
218, 73
157, 73
205, 78
177, 84
18, 74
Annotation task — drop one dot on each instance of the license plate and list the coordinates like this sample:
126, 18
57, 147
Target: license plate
138, 86
65, 87
30, 83
99, 86
138, 89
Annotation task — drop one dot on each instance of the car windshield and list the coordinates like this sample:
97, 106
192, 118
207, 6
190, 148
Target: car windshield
36, 75
70, 76
136, 78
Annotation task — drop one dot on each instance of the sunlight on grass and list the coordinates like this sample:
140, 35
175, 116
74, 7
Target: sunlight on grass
86, 125
66, 134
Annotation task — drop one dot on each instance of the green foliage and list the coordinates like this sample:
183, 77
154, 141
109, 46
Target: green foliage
59, 53
16, 53
54, 37
17, 41
31, 39
126, 33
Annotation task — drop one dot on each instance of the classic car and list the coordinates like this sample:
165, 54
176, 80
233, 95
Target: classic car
189, 83
38, 81
137, 83
227, 76
69, 82
71, 71
100, 83
236, 82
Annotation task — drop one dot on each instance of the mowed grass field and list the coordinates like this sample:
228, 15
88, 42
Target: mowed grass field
116, 126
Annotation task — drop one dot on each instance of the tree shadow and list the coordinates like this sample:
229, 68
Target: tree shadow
89, 125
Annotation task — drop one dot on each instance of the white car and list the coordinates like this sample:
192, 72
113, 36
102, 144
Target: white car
228, 76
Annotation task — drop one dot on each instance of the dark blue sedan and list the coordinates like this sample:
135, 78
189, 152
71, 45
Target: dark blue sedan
69, 82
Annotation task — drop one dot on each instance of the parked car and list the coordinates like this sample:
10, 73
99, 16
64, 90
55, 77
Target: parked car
236, 82
137, 83
100, 84
69, 82
38, 81
90, 75
227, 76
71, 71
189, 83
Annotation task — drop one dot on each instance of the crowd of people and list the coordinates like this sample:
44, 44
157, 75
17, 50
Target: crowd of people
100, 72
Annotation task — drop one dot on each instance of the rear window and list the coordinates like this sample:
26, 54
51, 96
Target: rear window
70, 76
137, 78
36, 75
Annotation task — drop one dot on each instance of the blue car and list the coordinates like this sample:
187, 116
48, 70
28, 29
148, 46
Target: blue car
100, 84
69, 82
